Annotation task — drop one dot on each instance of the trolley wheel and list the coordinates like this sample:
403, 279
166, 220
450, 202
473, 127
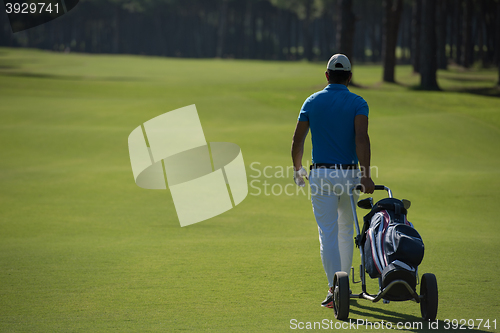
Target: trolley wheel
429, 291
341, 295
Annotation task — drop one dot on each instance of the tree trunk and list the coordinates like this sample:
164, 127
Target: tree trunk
458, 32
415, 38
345, 28
289, 35
498, 41
428, 61
488, 10
373, 43
221, 32
362, 35
306, 30
326, 33
392, 18
467, 35
492, 31
406, 35
480, 43
442, 20
116, 30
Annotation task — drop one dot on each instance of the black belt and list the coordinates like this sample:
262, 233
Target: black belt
333, 166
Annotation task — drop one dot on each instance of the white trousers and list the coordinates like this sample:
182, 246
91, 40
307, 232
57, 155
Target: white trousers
332, 209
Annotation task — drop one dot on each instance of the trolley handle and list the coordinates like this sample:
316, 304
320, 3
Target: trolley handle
377, 187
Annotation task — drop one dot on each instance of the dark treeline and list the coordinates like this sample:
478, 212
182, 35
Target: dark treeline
253, 29
427, 33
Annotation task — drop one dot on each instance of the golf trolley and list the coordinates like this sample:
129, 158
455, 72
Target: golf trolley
399, 281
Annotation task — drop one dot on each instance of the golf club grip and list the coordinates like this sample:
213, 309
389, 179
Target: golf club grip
377, 187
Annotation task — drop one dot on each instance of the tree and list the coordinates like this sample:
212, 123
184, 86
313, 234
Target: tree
308, 38
441, 27
416, 16
428, 56
498, 40
467, 35
459, 17
393, 10
345, 28
305, 11
221, 33
491, 29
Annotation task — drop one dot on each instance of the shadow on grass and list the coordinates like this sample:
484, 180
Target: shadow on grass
355, 84
462, 78
65, 77
488, 87
492, 91
481, 91
401, 321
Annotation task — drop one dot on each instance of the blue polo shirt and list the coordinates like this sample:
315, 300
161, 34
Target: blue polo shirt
331, 113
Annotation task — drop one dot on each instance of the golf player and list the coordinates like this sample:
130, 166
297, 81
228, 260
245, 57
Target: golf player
338, 120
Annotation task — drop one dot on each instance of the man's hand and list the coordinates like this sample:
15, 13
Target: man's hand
367, 185
298, 176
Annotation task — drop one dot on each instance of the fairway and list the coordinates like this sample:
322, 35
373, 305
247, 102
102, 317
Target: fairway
84, 249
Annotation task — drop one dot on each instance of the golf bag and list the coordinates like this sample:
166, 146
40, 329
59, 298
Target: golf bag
393, 249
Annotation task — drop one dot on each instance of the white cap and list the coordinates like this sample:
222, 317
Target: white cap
339, 62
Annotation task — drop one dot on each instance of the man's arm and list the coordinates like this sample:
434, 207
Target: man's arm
298, 140
363, 152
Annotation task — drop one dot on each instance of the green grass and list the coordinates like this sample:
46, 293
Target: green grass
83, 249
